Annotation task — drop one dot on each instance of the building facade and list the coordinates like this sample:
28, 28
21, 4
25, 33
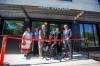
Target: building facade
83, 17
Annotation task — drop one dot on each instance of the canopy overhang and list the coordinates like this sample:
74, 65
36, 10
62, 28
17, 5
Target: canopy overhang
31, 12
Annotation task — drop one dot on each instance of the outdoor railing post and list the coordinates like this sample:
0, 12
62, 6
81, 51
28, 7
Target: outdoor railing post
3, 49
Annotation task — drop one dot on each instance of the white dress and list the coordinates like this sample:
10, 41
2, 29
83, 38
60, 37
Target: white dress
26, 44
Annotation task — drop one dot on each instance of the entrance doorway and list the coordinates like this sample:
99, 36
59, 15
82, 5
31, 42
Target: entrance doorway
52, 25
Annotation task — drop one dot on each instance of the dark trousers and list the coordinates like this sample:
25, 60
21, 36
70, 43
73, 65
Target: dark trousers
59, 47
35, 48
68, 47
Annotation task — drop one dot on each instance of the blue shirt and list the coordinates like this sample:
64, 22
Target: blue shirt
36, 35
67, 33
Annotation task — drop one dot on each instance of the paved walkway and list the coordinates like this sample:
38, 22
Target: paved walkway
19, 60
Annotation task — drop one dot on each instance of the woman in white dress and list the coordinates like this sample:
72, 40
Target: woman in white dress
26, 44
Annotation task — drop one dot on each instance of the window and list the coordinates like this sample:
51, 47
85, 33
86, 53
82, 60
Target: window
95, 35
81, 31
89, 32
53, 25
39, 24
12, 27
36, 25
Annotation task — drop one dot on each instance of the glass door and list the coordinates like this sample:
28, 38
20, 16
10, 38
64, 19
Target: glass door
88, 31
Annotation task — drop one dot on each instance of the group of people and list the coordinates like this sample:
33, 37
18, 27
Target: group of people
44, 32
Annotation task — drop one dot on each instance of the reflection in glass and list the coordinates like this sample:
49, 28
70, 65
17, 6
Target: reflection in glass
89, 34
82, 34
36, 25
81, 31
88, 31
12, 27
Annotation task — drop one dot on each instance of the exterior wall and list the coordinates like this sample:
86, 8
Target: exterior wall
88, 5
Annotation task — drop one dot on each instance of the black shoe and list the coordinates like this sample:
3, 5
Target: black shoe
25, 55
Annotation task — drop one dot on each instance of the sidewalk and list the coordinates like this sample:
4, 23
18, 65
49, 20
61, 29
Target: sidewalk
19, 60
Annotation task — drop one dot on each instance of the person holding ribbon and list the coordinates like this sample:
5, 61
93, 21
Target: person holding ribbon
67, 33
58, 36
26, 42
